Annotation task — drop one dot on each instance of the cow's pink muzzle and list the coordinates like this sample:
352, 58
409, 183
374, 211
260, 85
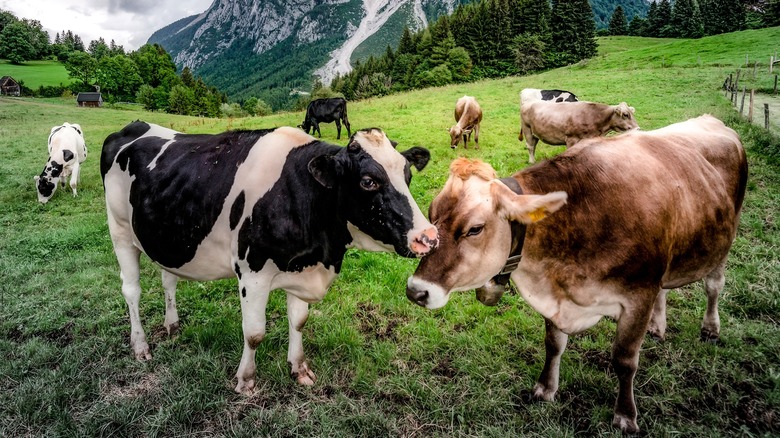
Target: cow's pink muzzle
425, 242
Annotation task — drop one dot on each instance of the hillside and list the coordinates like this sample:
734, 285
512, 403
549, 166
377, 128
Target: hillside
36, 73
385, 367
265, 48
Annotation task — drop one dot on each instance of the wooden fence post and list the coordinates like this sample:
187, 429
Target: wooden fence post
742, 106
750, 109
775, 89
771, 63
766, 116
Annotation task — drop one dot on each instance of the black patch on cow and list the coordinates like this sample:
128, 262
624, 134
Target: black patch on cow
115, 141
45, 186
238, 270
243, 292
237, 210
176, 204
554, 95
67, 155
56, 169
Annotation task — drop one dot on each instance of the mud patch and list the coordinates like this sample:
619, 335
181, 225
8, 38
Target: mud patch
376, 324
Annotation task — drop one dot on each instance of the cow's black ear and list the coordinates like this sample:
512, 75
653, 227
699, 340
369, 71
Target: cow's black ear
323, 169
417, 156
393, 143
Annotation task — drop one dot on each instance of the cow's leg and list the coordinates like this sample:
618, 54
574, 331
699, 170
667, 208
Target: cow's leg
316, 128
297, 314
338, 129
631, 327
530, 143
74, 178
554, 343
346, 123
171, 323
254, 291
128, 257
657, 329
713, 285
476, 137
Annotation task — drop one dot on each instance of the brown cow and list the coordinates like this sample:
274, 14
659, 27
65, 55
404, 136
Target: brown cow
646, 212
567, 124
468, 114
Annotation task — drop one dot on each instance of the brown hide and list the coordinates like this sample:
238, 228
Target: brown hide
567, 124
646, 211
468, 116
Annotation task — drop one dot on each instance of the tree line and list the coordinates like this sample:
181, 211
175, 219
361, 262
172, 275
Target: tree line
147, 76
485, 39
695, 19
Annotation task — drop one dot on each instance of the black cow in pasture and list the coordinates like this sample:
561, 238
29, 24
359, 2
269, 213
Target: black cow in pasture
326, 111
274, 208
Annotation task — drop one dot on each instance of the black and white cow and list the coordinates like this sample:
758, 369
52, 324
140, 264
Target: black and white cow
275, 208
67, 150
328, 110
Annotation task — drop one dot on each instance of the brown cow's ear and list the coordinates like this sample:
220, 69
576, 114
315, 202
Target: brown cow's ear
526, 209
323, 169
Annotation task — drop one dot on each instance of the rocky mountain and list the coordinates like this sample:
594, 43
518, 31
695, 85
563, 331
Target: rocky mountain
265, 48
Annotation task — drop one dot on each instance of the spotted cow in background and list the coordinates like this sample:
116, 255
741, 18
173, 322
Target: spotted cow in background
558, 96
604, 229
274, 208
67, 150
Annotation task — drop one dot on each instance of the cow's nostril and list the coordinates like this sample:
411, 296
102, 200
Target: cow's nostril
417, 296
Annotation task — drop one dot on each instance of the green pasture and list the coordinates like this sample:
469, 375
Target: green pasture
36, 73
385, 367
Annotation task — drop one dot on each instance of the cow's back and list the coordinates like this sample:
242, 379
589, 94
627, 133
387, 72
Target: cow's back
643, 207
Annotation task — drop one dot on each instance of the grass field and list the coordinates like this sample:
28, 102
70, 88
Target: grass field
385, 367
36, 73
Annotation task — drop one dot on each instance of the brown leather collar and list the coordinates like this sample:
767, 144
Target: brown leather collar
518, 238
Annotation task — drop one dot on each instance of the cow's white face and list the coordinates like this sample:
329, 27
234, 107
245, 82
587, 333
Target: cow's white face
373, 181
623, 119
473, 214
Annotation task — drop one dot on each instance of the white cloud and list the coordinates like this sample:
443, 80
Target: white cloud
129, 23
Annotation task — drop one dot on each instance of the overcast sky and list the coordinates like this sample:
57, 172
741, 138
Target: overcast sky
128, 22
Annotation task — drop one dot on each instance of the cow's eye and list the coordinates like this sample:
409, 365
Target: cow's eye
473, 231
368, 183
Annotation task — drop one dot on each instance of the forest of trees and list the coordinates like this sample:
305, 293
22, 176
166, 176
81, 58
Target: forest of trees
697, 18
487, 39
147, 76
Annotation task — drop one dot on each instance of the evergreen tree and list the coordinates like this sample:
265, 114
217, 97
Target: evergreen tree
637, 26
98, 49
536, 17
573, 30
686, 19
617, 24
772, 13
406, 45
654, 24
722, 16
665, 20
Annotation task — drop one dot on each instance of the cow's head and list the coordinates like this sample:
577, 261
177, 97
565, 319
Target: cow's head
372, 180
306, 125
623, 118
456, 135
46, 183
473, 214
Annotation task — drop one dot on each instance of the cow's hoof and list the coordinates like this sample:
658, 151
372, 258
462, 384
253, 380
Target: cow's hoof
709, 336
657, 335
542, 394
172, 328
304, 376
245, 387
625, 424
141, 351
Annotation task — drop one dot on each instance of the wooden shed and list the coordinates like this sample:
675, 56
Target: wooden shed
89, 99
9, 86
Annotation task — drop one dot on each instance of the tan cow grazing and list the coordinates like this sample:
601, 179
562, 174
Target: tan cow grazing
468, 116
625, 219
557, 124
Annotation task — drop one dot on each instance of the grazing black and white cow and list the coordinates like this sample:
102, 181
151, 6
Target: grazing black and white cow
534, 94
67, 150
328, 110
275, 208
